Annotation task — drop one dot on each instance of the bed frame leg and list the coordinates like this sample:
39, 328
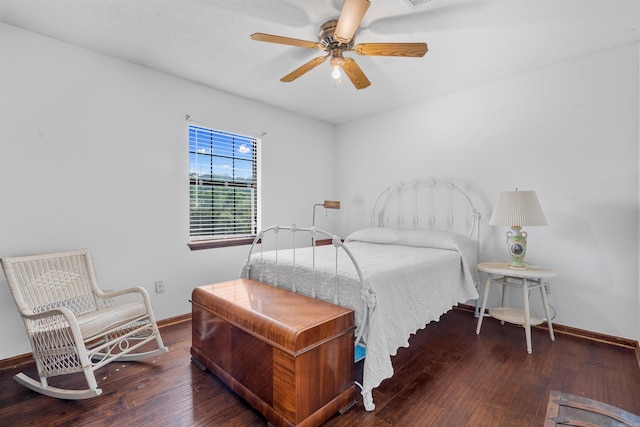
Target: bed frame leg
367, 399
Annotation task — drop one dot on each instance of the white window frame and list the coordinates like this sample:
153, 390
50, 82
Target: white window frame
221, 173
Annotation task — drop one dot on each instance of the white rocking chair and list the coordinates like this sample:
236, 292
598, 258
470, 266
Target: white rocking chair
73, 326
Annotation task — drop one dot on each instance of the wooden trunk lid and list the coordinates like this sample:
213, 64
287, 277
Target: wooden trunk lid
287, 320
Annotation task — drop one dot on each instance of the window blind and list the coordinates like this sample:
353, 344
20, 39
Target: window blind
223, 185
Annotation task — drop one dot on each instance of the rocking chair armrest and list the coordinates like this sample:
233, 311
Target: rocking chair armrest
130, 291
64, 311
112, 294
69, 316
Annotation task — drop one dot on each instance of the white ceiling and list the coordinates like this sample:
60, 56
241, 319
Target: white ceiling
471, 42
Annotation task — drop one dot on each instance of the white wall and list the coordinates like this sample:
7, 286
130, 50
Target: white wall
93, 153
569, 132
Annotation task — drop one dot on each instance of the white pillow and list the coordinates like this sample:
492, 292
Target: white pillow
385, 236
427, 239
419, 238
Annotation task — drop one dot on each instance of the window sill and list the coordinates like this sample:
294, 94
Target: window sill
220, 243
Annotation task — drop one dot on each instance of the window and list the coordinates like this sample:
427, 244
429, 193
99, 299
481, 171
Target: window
223, 188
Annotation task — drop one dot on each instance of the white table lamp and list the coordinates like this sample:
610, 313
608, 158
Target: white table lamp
516, 209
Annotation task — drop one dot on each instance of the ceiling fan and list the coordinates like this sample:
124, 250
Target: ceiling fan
336, 37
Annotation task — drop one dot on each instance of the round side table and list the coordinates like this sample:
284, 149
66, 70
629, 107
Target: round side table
528, 278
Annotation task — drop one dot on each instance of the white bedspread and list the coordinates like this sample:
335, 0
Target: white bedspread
412, 285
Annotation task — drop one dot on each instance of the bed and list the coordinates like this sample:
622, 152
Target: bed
414, 263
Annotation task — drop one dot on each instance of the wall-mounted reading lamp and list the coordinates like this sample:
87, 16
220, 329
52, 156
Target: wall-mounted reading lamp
328, 204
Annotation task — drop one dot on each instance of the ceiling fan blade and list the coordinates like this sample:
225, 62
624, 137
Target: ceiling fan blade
262, 37
303, 69
350, 18
391, 49
355, 74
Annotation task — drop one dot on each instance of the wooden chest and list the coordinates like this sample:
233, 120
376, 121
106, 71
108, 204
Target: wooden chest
288, 355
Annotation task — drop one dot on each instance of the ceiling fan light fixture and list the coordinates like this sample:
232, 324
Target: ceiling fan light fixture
337, 60
336, 74
336, 57
350, 18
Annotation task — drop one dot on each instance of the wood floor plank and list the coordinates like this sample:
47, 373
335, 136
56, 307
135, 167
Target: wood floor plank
448, 376
625, 376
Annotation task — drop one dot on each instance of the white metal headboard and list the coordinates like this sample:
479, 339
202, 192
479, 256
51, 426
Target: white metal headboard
426, 205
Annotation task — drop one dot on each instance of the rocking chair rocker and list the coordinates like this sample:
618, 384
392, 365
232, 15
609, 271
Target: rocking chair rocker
72, 325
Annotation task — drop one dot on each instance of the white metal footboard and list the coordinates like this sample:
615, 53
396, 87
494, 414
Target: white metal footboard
311, 234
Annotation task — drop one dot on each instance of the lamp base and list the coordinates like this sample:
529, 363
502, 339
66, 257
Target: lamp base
517, 247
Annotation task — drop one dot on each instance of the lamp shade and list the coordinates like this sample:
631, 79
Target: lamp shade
517, 208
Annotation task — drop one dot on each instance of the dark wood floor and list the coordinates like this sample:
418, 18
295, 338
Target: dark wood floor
447, 377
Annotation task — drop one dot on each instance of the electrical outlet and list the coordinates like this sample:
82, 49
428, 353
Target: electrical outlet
159, 286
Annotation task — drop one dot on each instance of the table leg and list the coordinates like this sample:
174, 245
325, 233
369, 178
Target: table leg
545, 303
527, 318
487, 285
504, 296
